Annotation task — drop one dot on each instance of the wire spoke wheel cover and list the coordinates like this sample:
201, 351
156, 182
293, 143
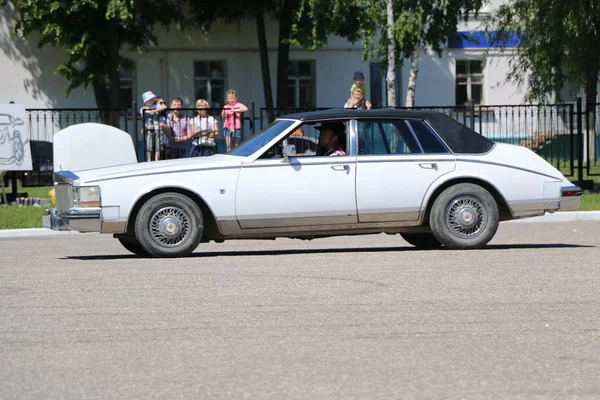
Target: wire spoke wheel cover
466, 216
169, 226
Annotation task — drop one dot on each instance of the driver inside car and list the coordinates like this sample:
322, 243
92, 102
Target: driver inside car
332, 138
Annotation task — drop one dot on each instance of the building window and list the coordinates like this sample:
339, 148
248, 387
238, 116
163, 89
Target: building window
301, 84
210, 82
469, 82
126, 88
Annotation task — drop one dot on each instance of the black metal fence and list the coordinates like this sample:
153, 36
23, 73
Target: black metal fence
566, 135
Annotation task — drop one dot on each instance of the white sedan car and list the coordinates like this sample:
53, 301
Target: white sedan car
422, 175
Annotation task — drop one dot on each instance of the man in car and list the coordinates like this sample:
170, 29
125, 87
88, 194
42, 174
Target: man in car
332, 138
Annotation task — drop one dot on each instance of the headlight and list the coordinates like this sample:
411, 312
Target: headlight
86, 196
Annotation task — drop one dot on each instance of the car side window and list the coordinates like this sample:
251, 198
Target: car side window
386, 137
429, 141
305, 138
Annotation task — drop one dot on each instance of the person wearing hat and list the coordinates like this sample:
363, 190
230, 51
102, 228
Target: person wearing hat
152, 125
359, 82
332, 138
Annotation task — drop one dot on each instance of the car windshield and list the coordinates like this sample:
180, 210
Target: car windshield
259, 140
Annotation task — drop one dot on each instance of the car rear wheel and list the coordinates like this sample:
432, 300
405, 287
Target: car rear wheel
131, 244
464, 216
169, 225
426, 241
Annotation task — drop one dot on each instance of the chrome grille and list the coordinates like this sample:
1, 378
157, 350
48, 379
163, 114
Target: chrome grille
64, 196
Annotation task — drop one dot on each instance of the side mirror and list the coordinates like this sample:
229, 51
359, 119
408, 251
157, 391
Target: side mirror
289, 150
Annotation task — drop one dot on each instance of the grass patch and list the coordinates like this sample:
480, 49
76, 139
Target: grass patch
41, 192
564, 168
14, 217
590, 202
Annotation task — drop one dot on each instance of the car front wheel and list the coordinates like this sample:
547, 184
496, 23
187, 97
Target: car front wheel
169, 225
425, 241
464, 216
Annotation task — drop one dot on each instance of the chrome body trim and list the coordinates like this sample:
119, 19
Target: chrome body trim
254, 222
300, 161
388, 216
533, 208
231, 230
572, 202
468, 160
74, 219
114, 227
138, 174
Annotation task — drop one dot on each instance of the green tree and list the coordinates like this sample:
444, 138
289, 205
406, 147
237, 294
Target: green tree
410, 25
417, 24
93, 33
258, 10
296, 26
556, 45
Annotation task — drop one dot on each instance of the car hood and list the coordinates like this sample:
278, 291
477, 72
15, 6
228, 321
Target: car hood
155, 167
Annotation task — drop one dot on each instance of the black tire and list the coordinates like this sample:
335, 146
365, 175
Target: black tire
169, 225
425, 241
18, 148
464, 216
131, 244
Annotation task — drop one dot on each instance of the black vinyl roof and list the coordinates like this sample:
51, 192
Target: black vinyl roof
458, 137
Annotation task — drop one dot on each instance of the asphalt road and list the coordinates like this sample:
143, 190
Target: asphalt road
354, 317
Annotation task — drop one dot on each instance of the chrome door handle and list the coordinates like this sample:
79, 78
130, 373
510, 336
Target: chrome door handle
428, 166
344, 167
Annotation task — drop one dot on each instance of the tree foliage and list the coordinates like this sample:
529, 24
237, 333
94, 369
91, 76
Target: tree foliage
93, 33
425, 23
417, 24
556, 45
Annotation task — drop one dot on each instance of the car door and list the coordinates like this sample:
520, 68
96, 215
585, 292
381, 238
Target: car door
299, 191
398, 160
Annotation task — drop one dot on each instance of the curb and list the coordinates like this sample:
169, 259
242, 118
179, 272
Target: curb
564, 216
8, 233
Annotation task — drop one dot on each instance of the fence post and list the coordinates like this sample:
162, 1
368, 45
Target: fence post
472, 110
579, 140
135, 129
252, 118
571, 141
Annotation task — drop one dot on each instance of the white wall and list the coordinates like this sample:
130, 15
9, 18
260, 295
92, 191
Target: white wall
167, 69
28, 72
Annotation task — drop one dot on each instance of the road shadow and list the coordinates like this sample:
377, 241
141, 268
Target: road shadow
395, 249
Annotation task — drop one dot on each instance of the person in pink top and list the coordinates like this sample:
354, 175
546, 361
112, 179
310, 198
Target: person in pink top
232, 119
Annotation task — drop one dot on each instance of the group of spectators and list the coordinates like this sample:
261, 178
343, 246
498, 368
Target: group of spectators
167, 130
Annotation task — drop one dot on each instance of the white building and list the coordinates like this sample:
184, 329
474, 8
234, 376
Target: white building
192, 65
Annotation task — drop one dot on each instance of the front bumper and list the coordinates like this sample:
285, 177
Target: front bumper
570, 198
87, 219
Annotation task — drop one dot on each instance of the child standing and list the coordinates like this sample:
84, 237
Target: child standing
359, 82
152, 123
232, 119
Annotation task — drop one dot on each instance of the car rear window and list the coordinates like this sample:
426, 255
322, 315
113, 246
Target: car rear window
429, 141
